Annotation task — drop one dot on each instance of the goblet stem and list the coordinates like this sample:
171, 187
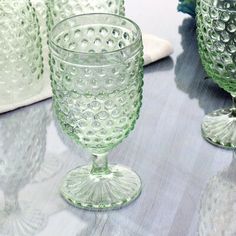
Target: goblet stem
11, 202
234, 106
100, 164
234, 154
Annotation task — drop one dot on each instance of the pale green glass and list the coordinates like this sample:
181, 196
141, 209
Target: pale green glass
50, 12
97, 77
59, 10
41, 12
21, 63
216, 27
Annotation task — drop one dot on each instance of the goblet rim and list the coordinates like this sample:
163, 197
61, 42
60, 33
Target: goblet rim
218, 8
136, 41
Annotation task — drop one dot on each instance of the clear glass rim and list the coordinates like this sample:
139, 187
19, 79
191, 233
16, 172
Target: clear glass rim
221, 9
139, 38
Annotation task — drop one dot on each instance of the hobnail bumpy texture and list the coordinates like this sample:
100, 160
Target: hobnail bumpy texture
21, 63
97, 100
216, 28
41, 12
97, 77
59, 10
218, 206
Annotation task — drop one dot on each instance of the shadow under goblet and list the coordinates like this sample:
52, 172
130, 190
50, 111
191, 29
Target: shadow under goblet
217, 47
97, 77
196, 85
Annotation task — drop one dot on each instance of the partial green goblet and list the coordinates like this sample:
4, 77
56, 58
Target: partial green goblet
97, 76
21, 61
216, 27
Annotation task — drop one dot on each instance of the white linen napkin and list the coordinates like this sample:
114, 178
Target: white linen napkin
154, 49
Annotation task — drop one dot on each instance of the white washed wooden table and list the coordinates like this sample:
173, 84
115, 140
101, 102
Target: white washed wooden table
166, 147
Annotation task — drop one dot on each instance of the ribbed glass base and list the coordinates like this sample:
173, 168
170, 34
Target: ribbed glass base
115, 189
219, 128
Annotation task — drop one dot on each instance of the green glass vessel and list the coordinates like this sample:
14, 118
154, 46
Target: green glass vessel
58, 10
97, 78
216, 30
21, 62
50, 12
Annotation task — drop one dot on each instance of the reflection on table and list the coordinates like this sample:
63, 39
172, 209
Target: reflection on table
218, 204
22, 151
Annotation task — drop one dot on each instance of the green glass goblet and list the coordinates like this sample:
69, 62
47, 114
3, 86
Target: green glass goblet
97, 76
216, 28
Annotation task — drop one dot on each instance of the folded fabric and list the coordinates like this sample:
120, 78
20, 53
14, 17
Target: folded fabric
44, 94
154, 49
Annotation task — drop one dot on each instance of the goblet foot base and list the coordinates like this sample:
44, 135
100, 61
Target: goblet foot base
113, 190
219, 128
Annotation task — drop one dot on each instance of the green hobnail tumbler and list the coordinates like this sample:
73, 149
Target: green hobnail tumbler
97, 78
216, 33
